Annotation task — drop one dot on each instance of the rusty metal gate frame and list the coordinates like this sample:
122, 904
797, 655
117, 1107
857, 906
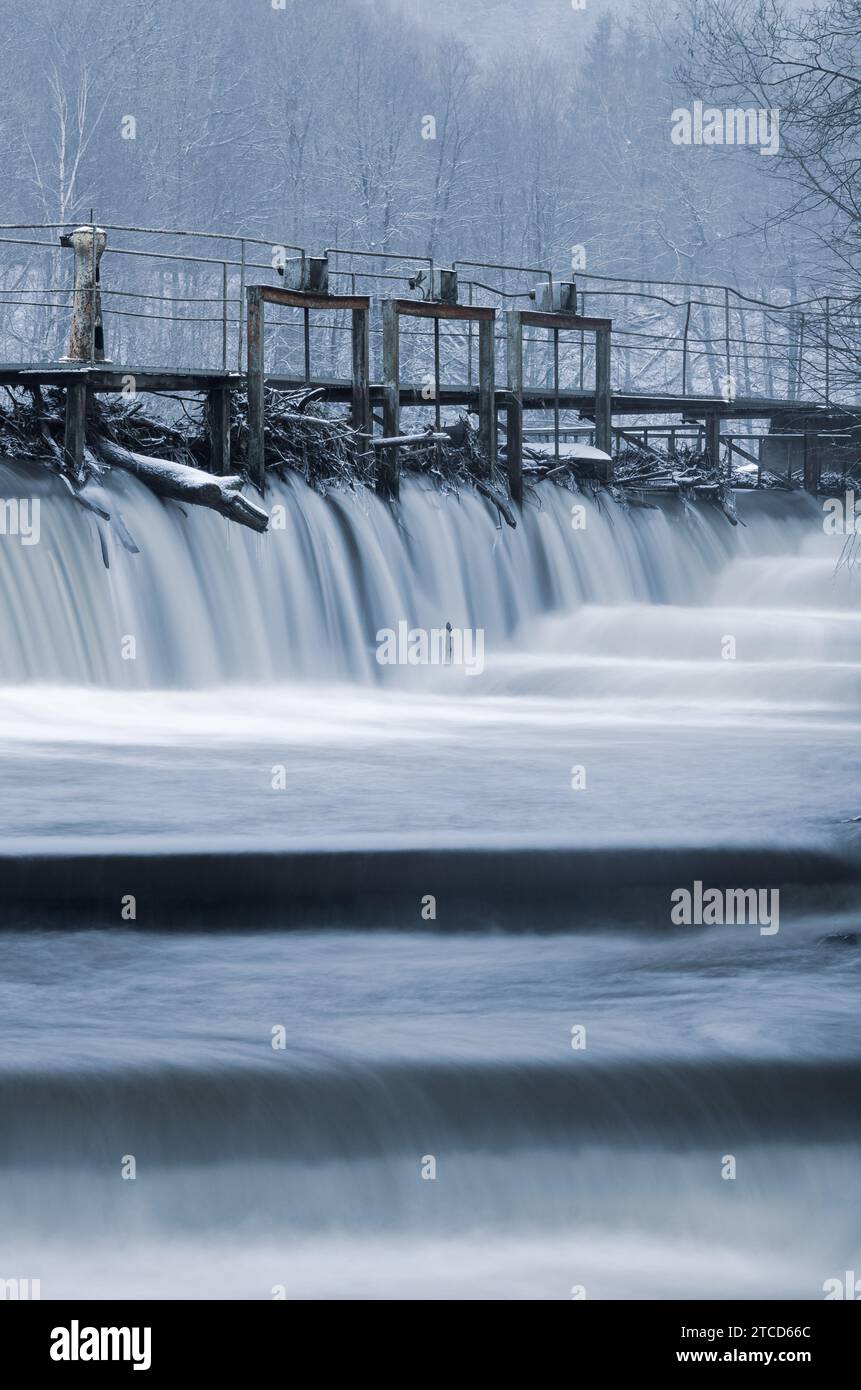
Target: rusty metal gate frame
388, 471
517, 319
256, 296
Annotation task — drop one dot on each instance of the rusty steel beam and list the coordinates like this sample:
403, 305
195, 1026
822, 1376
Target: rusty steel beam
536, 318
430, 309
301, 299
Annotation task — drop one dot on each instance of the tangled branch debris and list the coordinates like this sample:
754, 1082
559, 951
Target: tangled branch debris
173, 459
119, 435
326, 451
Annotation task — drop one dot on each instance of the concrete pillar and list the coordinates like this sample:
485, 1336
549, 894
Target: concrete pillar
86, 339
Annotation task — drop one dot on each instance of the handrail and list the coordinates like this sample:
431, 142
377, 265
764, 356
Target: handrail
809, 340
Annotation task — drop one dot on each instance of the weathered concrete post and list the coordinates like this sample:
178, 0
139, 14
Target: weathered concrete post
514, 411
86, 339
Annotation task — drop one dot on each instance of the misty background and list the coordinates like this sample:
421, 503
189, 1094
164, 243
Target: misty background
305, 124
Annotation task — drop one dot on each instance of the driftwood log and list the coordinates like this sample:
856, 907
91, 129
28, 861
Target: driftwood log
181, 483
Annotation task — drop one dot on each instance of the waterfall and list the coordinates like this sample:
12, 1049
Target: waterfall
580, 579
202, 728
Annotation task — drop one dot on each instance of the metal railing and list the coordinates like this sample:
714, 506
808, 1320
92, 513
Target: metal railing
174, 298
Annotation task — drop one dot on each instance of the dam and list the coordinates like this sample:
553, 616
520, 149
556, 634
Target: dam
254, 829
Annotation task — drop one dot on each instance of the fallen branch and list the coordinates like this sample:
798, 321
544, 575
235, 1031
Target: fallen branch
183, 484
425, 438
498, 501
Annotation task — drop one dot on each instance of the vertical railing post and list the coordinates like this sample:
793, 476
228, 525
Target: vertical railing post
556, 395
800, 372
487, 390
828, 350
241, 300
94, 275
514, 420
388, 460
582, 337
685, 349
224, 316
256, 437
811, 457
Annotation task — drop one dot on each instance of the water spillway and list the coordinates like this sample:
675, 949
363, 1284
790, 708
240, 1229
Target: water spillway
253, 765
208, 603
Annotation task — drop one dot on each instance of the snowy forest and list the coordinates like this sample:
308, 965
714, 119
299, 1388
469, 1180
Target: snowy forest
430, 679
535, 135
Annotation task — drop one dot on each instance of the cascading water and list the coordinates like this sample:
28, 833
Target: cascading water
307, 1166
209, 603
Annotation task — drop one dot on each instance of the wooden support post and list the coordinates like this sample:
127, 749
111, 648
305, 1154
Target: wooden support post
75, 427
487, 391
256, 438
361, 416
218, 412
713, 439
811, 458
603, 396
514, 452
514, 432
388, 470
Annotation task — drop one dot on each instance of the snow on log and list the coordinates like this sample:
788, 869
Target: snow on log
181, 483
498, 501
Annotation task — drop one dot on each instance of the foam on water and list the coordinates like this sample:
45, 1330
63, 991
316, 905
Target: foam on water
259, 1168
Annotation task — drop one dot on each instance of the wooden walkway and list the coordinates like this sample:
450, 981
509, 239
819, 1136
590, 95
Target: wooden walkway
380, 402
709, 411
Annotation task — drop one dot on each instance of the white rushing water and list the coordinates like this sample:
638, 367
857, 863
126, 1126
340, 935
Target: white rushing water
605, 647
208, 602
